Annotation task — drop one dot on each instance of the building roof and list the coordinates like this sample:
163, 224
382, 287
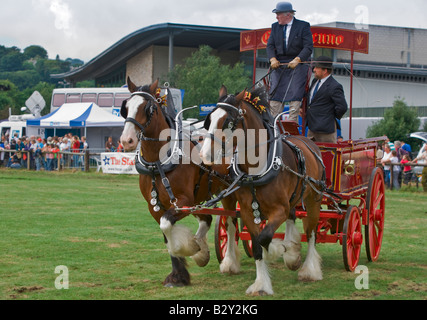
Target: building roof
192, 36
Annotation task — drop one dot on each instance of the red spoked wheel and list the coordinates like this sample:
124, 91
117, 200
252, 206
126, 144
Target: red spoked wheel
221, 237
352, 238
375, 203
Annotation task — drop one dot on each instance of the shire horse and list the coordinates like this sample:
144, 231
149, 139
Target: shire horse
276, 199
146, 120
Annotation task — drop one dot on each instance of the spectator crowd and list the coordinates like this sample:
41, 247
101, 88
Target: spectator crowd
397, 156
42, 154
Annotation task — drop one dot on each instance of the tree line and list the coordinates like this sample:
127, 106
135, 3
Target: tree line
24, 71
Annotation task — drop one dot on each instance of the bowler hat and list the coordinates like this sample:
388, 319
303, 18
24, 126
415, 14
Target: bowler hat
323, 62
283, 7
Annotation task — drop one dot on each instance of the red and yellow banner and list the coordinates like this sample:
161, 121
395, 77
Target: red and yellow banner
323, 37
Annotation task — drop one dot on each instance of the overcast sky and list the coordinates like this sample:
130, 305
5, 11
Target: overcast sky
85, 28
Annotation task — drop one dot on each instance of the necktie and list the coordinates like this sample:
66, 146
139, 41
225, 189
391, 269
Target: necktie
284, 38
315, 90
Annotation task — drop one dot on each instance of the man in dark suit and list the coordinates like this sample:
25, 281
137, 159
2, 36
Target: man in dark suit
326, 103
290, 43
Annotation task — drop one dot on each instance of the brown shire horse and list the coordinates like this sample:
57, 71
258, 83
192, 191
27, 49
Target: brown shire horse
146, 121
275, 199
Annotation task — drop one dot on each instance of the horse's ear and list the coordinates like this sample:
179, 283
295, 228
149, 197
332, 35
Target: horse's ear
223, 91
131, 85
154, 86
241, 95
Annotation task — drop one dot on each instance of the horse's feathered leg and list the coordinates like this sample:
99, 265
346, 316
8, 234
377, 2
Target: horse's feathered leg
203, 256
179, 276
262, 284
231, 262
180, 239
311, 269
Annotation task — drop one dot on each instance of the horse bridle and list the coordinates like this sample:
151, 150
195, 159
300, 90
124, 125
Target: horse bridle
152, 104
231, 121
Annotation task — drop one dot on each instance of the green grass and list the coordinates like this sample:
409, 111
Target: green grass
99, 227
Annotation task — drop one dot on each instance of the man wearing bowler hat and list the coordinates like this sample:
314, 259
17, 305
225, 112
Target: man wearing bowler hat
326, 103
289, 46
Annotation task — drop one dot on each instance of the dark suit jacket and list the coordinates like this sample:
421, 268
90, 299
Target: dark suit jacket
327, 105
300, 43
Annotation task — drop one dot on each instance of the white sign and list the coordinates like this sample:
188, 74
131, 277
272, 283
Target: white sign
35, 103
118, 163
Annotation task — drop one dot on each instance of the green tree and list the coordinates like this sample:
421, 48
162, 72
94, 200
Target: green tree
34, 52
9, 99
202, 75
398, 122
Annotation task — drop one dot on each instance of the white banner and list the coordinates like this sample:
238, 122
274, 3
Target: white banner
118, 163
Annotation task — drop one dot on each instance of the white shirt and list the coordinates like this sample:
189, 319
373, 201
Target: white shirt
322, 81
288, 31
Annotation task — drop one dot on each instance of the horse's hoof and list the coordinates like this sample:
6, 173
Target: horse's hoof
173, 285
201, 258
260, 293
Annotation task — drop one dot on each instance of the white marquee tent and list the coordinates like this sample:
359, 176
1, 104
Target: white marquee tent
85, 116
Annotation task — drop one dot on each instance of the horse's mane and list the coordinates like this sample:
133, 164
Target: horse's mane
258, 99
145, 88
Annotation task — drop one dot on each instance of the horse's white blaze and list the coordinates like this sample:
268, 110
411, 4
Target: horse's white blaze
130, 131
231, 262
262, 282
205, 152
311, 269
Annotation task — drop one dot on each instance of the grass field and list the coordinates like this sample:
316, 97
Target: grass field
98, 226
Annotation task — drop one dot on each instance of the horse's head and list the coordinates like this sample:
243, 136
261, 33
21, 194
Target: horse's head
223, 120
138, 111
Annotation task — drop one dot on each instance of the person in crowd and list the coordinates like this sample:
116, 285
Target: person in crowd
49, 157
396, 170
288, 49
38, 154
407, 170
14, 162
407, 148
75, 148
64, 147
391, 144
326, 103
44, 153
55, 151
385, 161
83, 147
2, 147
120, 147
109, 145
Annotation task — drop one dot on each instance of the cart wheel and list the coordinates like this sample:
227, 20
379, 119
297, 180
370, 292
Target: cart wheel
247, 244
375, 204
352, 238
221, 237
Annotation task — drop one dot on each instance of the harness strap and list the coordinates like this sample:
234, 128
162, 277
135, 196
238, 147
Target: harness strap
226, 192
165, 182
